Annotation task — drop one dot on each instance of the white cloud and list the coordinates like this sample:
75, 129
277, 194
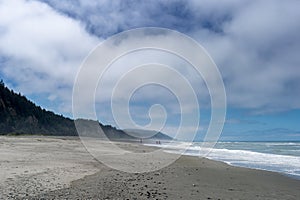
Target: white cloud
44, 48
256, 54
255, 44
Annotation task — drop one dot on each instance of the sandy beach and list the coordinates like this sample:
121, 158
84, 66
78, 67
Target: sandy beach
61, 168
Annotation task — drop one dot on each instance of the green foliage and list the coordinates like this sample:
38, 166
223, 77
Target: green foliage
2, 83
18, 116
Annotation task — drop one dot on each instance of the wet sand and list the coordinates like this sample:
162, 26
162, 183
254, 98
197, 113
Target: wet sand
60, 168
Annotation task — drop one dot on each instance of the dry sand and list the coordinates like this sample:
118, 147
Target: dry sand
36, 165
60, 168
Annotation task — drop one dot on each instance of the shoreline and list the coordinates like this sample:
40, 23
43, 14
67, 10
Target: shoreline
259, 169
187, 178
240, 158
75, 174
252, 168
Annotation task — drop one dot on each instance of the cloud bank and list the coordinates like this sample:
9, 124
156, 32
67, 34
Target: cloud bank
41, 49
255, 44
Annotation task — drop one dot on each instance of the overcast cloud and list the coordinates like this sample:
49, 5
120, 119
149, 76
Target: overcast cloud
40, 48
255, 43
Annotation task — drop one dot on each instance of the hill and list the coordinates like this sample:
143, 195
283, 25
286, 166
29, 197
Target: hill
147, 134
19, 116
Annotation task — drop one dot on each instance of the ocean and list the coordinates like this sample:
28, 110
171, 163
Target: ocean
282, 157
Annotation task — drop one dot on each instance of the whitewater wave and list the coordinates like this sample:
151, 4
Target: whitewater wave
250, 158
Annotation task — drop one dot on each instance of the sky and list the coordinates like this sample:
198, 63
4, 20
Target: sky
254, 43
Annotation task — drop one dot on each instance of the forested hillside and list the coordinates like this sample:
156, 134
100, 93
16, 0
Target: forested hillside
19, 116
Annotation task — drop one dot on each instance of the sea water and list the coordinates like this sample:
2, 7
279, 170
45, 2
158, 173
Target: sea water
282, 157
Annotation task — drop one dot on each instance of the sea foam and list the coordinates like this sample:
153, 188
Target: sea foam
282, 157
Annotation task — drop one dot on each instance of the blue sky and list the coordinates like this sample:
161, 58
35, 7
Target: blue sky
254, 43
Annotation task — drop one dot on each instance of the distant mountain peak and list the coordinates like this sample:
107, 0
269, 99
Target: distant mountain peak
146, 134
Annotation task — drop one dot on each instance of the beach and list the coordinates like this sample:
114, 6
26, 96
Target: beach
61, 168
